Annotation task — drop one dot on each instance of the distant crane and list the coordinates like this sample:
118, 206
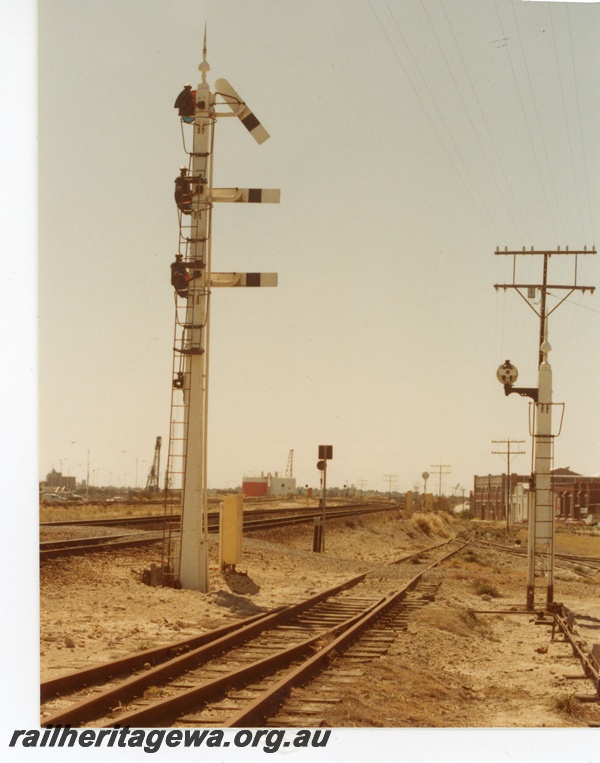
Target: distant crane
289, 471
152, 481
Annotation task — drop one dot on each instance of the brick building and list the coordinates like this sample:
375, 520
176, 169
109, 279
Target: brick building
576, 496
490, 494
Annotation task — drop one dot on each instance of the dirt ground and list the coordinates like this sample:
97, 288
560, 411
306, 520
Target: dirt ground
454, 667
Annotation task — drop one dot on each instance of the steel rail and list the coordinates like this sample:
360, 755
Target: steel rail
54, 549
257, 711
560, 555
103, 702
169, 708
572, 558
589, 666
95, 540
74, 547
160, 518
79, 679
55, 687
208, 690
174, 651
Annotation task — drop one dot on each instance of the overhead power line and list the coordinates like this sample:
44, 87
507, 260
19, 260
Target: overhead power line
537, 114
488, 218
467, 112
565, 114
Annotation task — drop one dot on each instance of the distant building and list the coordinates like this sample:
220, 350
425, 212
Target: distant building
281, 486
255, 486
490, 494
270, 484
520, 502
576, 496
56, 480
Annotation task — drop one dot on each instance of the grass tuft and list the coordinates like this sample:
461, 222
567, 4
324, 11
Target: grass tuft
469, 618
566, 703
485, 587
472, 556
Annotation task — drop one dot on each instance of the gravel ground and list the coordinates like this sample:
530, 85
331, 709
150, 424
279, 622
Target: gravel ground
454, 667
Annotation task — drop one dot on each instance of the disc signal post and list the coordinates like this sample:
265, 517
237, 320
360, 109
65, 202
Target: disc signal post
325, 455
193, 279
540, 551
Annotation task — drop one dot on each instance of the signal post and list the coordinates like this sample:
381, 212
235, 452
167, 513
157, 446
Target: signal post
188, 441
541, 526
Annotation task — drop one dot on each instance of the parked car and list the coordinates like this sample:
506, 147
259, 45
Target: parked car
53, 498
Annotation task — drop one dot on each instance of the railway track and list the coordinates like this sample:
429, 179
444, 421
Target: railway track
164, 518
592, 563
241, 675
564, 622
57, 548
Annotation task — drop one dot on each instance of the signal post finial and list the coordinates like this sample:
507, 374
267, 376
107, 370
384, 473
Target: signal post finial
204, 67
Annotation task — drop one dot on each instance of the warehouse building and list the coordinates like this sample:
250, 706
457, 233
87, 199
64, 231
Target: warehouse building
268, 485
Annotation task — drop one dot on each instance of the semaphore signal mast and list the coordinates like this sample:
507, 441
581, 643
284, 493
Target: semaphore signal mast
185, 563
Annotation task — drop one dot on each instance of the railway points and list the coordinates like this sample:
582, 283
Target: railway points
302, 636
448, 630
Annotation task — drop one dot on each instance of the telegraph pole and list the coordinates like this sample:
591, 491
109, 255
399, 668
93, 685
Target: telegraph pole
540, 550
508, 454
390, 478
441, 472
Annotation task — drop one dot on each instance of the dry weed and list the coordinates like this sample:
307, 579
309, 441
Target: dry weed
566, 703
485, 587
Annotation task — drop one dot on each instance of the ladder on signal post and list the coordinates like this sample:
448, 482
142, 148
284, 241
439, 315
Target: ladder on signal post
189, 340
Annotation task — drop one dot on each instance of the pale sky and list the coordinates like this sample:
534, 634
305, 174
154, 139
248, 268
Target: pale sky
408, 139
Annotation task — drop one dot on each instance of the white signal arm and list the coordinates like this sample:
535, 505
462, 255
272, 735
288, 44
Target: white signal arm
241, 111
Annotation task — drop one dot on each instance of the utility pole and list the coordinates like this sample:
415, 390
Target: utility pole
361, 484
136, 466
508, 454
390, 478
87, 478
540, 551
441, 472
